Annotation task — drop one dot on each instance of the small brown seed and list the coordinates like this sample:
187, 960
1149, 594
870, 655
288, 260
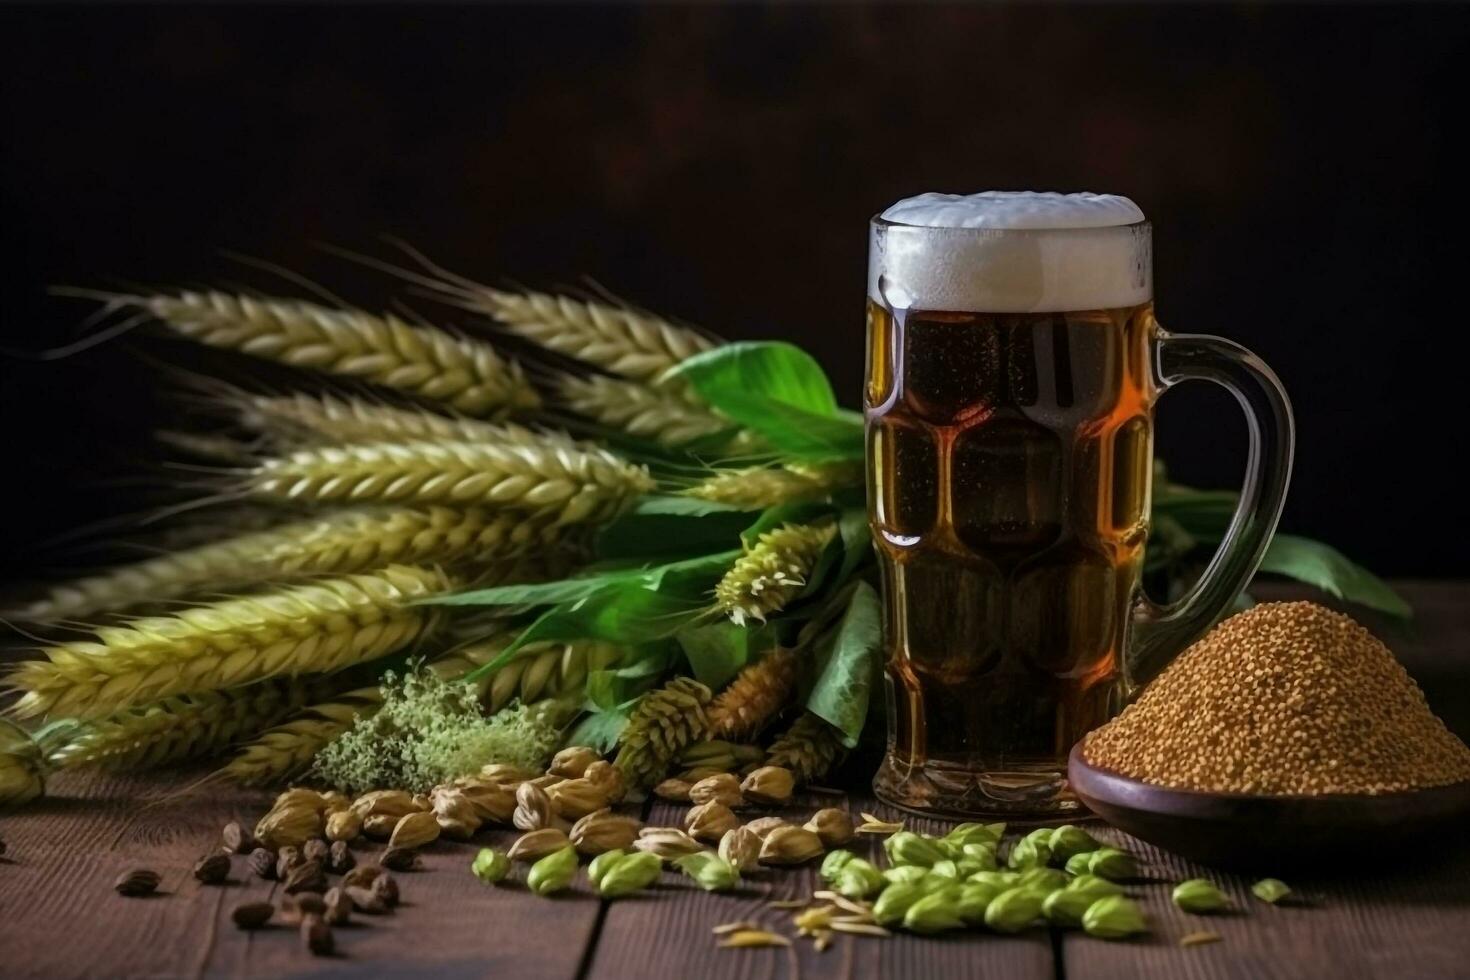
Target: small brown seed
399, 859
769, 785
263, 863
315, 849
307, 876
252, 915
294, 908
213, 869
386, 887
366, 900
379, 826
344, 825
137, 883
316, 936
338, 908
415, 830
362, 876
339, 858
236, 839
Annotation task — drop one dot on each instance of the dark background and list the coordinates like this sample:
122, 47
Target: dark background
719, 164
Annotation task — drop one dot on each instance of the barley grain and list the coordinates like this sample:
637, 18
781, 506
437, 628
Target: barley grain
306, 419
759, 487
661, 415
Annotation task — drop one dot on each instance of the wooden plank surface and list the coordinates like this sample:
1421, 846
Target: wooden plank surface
60, 918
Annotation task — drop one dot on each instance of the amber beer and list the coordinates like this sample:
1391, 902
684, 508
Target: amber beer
1009, 407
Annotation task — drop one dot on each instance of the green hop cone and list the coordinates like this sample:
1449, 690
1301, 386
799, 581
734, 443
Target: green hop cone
1043, 880
905, 874
1078, 864
1094, 886
554, 872
1113, 917
490, 866
946, 869
1270, 890
982, 855
1014, 910
894, 902
602, 863
628, 874
859, 879
1068, 841
975, 898
833, 864
1066, 906
1200, 896
1113, 864
709, 871
1004, 880
1029, 852
22, 770
907, 847
975, 833
933, 913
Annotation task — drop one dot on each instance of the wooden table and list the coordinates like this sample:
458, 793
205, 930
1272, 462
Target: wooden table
60, 918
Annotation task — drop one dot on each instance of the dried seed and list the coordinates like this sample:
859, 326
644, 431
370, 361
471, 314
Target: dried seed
316, 936
386, 887
340, 859
668, 843
710, 821
722, 788
859, 928
338, 908
393, 803
366, 900
252, 915
547, 781
294, 908
608, 778
362, 876
603, 831
334, 802
379, 826
213, 869
506, 773
790, 845
832, 825
741, 847
307, 876
288, 825
1199, 938
537, 844
299, 796
573, 762
263, 863
575, 798
287, 858
236, 839
492, 801
769, 785
745, 926
458, 819
399, 859
673, 790
415, 830
137, 883
533, 808
344, 825
764, 825
753, 937
315, 850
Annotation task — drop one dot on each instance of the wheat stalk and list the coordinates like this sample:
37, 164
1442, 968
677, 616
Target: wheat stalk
318, 627
550, 480
545, 670
468, 375
349, 541
772, 572
302, 418
664, 722
621, 341
755, 695
183, 727
648, 413
759, 487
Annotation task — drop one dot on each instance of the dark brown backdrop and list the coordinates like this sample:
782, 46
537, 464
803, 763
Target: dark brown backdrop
720, 163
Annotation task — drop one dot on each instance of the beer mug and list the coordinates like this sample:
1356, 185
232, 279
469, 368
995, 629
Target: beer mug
1013, 366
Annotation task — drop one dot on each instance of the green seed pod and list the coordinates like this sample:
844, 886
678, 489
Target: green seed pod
1004, 880
907, 847
490, 865
710, 871
931, 914
554, 872
975, 898
1043, 880
1066, 906
859, 879
602, 863
1200, 896
630, 873
1270, 890
1029, 852
982, 855
1078, 864
1112, 864
833, 864
905, 874
1067, 841
1094, 886
974, 833
894, 902
946, 869
1113, 917
1014, 910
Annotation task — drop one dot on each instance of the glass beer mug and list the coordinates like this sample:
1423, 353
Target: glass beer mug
1013, 366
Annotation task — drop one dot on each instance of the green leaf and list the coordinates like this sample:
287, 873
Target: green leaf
779, 391
600, 729
844, 661
1329, 570
857, 541
671, 506
573, 589
717, 651
669, 528
606, 689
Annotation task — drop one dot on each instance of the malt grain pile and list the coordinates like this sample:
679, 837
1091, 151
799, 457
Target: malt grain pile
1285, 698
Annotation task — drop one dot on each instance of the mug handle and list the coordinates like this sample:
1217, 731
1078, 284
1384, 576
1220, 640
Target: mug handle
1161, 632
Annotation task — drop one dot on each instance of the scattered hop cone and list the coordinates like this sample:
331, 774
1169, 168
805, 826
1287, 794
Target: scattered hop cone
1113, 864
668, 843
858, 880
932, 914
1200, 896
1013, 910
833, 864
1067, 840
1114, 917
895, 901
664, 722
601, 864
710, 871
490, 866
603, 831
629, 874
755, 696
907, 847
22, 769
1065, 907
772, 572
415, 830
608, 778
537, 844
575, 798
554, 872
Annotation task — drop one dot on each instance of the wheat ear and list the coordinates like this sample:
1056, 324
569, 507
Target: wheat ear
754, 697
663, 723
547, 670
621, 341
305, 419
759, 487
184, 727
657, 414
772, 572
465, 374
809, 748
318, 627
550, 481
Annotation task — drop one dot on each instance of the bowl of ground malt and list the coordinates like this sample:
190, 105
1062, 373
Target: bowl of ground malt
1284, 735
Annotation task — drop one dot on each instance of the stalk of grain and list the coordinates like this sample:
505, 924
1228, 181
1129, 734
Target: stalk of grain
772, 572
465, 374
545, 480
809, 748
754, 697
545, 670
660, 415
758, 487
318, 627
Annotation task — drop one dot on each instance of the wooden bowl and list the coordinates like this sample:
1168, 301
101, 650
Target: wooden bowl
1261, 833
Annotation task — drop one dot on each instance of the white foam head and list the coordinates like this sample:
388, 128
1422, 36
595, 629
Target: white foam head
1011, 252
